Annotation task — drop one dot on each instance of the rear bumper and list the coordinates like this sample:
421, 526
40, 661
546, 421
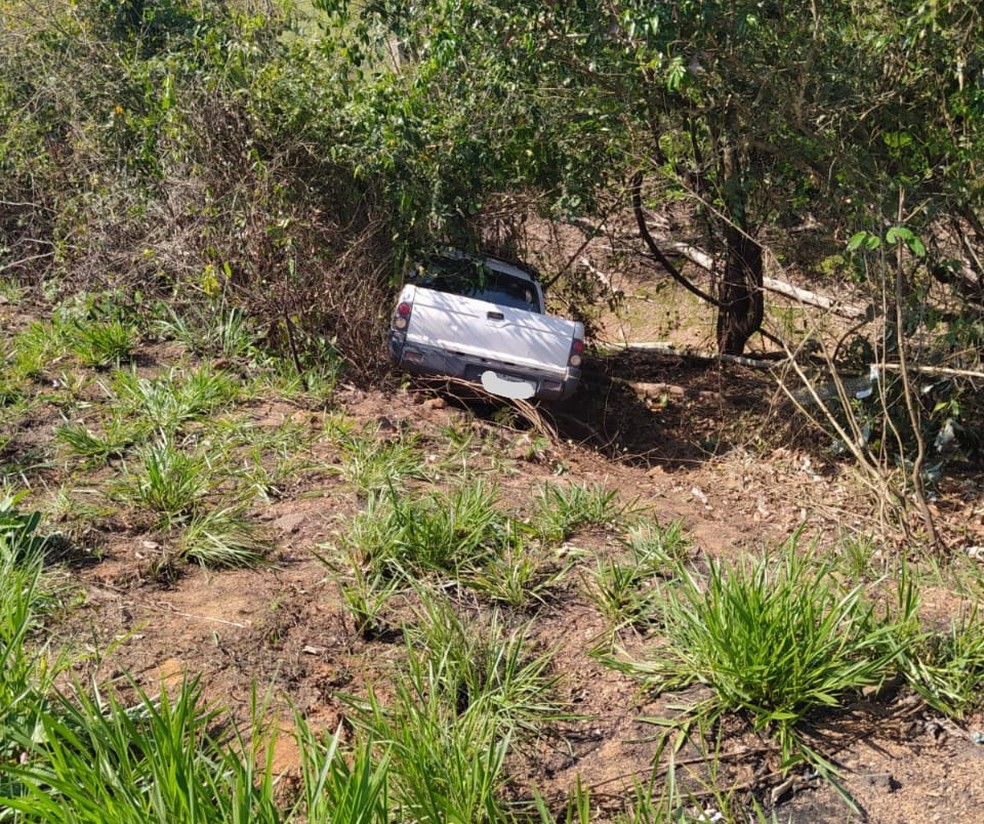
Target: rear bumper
418, 359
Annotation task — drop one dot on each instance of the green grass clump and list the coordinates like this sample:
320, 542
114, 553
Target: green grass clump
451, 532
27, 671
625, 589
95, 449
157, 761
171, 482
221, 538
39, 348
213, 331
101, 344
774, 641
168, 402
561, 510
947, 667
371, 463
469, 693
525, 572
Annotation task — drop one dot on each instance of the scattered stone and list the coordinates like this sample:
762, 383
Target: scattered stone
977, 737
435, 403
310, 650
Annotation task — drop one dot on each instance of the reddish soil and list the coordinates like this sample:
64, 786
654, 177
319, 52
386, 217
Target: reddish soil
697, 451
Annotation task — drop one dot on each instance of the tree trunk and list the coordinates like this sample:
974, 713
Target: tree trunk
740, 294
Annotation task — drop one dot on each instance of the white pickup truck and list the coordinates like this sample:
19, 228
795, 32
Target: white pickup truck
482, 320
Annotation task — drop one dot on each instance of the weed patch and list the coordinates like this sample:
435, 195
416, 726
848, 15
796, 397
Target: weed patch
775, 642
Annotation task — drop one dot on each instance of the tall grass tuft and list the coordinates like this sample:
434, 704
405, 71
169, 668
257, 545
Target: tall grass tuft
454, 531
561, 510
947, 668
27, 671
221, 538
101, 344
96, 449
214, 331
172, 483
774, 641
371, 463
161, 760
168, 402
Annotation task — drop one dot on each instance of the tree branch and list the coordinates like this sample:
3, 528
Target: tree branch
654, 249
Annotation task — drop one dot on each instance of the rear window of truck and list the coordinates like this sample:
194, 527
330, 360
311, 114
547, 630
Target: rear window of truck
472, 279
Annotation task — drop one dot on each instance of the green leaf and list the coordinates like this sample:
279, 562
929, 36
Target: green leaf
865, 239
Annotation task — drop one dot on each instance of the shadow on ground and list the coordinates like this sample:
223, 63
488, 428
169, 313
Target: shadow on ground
649, 408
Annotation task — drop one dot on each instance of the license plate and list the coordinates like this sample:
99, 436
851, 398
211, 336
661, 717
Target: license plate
507, 386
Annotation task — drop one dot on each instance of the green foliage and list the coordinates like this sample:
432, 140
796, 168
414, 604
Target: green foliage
159, 760
340, 785
371, 463
367, 595
213, 331
168, 402
774, 641
467, 693
18, 530
946, 667
524, 573
561, 510
625, 590
484, 666
39, 348
453, 532
171, 483
96, 449
221, 538
102, 345
622, 593
27, 672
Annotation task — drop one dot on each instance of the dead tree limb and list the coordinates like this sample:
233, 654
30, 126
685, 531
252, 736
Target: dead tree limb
705, 261
658, 253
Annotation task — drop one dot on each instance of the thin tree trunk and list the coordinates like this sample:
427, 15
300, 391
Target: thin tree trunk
741, 305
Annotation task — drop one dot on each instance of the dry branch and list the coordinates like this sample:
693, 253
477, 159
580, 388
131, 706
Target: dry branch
780, 287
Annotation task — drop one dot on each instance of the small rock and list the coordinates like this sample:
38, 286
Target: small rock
977, 737
290, 523
435, 403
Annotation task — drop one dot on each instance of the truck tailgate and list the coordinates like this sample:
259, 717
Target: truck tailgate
486, 330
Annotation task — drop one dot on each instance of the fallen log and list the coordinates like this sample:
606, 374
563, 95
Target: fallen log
780, 287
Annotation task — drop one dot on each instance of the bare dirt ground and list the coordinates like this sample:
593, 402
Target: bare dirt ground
690, 441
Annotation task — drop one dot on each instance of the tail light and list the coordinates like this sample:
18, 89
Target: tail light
577, 349
401, 315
